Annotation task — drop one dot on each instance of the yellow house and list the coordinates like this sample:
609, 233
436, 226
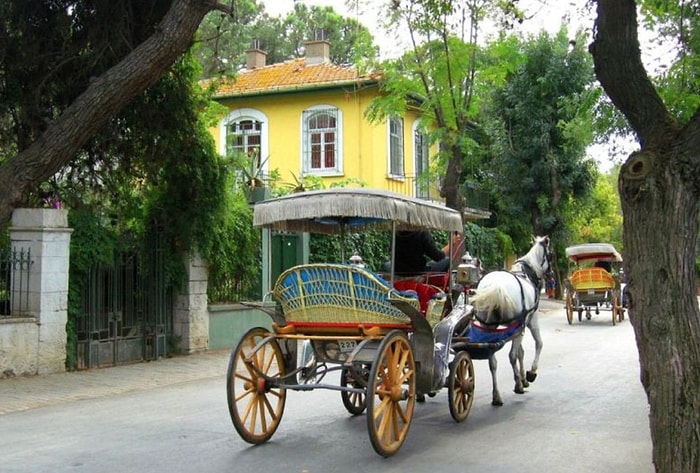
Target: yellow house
306, 116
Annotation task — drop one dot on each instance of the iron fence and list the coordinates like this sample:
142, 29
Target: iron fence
14, 281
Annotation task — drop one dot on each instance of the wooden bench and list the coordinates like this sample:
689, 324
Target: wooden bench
339, 299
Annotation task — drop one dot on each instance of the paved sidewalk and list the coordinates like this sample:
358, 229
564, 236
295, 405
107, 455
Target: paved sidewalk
31, 392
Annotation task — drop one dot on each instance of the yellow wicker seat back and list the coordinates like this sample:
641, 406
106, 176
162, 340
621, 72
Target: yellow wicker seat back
592, 278
338, 294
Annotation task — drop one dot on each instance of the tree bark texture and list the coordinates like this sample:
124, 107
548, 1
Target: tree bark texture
105, 96
659, 196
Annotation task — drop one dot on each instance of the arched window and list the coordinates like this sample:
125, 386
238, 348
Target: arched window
245, 130
321, 149
244, 136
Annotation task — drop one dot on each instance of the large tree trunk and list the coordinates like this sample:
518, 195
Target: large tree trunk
453, 174
105, 97
659, 195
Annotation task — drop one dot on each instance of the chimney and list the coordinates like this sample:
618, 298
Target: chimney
255, 57
318, 49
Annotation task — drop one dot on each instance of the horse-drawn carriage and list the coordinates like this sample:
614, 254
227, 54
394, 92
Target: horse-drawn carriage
594, 285
388, 347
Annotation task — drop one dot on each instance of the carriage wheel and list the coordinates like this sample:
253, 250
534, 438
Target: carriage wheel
460, 386
255, 405
391, 394
355, 403
570, 308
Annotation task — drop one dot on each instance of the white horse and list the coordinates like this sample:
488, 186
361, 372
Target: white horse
508, 298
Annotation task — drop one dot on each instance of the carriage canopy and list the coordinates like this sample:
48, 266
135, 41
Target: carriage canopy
593, 252
354, 210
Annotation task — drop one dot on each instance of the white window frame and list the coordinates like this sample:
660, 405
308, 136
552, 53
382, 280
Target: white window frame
396, 165
243, 114
306, 145
421, 159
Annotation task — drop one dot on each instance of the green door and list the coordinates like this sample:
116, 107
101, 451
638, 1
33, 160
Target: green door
285, 253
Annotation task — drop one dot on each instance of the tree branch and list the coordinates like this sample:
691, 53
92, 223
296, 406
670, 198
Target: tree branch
104, 97
619, 68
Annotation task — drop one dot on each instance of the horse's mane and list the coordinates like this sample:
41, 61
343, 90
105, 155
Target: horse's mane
493, 298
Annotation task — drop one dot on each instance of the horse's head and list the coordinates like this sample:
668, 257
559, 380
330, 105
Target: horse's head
541, 255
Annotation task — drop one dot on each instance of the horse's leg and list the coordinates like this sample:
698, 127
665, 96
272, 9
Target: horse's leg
495, 396
534, 327
520, 356
515, 354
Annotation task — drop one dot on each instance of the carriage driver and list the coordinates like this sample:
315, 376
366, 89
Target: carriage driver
414, 247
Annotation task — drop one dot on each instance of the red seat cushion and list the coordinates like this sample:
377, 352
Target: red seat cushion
425, 292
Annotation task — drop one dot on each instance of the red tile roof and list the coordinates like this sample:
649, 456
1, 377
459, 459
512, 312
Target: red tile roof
288, 76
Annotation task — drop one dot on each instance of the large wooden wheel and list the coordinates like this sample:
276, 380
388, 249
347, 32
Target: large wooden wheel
569, 307
355, 403
460, 386
391, 394
255, 404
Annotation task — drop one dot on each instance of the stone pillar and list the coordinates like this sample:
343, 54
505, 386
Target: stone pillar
46, 234
191, 318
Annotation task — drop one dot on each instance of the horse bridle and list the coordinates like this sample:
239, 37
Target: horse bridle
530, 273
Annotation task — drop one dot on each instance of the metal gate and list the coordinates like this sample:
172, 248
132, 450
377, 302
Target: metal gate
128, 312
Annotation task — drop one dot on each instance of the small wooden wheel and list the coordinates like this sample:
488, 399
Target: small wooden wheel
570, 308
355, 403
391, 393
460, 386
254, 403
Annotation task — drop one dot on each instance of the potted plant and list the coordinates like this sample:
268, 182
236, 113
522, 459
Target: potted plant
250, 170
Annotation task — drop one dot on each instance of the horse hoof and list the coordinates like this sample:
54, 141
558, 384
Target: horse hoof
519, 391
531, 376
496, 402
420, 397
526, 384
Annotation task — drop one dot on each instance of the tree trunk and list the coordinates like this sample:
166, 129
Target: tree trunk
660, 230
659, 196
105, 97
450, 187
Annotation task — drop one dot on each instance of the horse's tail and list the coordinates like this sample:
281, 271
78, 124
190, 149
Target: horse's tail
493, 298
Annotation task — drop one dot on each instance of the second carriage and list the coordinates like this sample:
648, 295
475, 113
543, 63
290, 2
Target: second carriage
595, 284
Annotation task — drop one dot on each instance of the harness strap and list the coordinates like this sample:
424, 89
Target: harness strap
524, 316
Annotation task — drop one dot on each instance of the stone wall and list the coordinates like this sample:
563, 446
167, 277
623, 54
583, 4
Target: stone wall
33, 339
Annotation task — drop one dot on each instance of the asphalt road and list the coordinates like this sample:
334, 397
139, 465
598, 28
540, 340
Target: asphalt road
586, 412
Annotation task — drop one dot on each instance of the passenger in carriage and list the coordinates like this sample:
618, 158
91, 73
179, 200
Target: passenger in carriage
606, 265
414, 248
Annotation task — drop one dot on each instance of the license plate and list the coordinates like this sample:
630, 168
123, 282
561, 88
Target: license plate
347, 346
591, 291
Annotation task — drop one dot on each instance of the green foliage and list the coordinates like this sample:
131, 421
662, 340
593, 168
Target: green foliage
223, 40
490, 245
540, 124
677, 25
233, 253
373, 247
597, 218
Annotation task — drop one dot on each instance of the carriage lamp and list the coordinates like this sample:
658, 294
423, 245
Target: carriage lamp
467, 274
468, 271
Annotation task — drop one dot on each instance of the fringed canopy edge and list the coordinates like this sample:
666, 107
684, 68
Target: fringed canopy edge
355, 210
593, 251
